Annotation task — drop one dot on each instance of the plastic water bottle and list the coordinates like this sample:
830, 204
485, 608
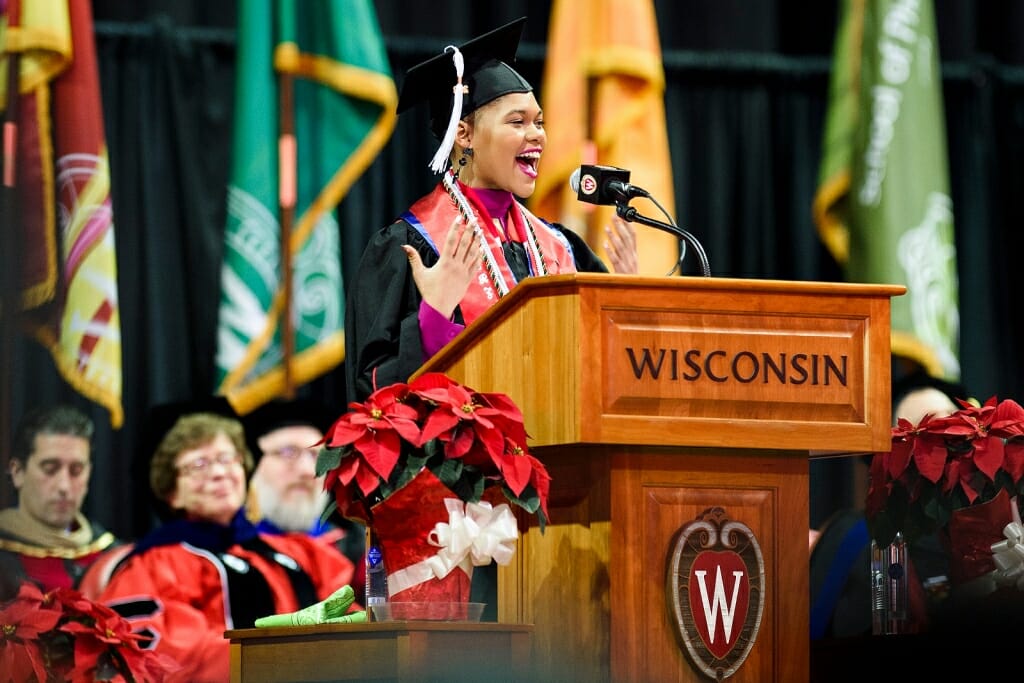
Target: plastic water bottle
376, 576
889, 587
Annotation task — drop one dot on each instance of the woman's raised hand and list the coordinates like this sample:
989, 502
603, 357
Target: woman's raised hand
444, 284
620, 246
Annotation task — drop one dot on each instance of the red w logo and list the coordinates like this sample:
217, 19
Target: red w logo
720, 585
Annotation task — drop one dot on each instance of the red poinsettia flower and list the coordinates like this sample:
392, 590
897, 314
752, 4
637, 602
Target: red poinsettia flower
472, 442
904, 437
101, 637
930, 449
980, 430
519, 469
65, 636
22, 621
375, 429
473, 425
507, 419
971, 451
515, 466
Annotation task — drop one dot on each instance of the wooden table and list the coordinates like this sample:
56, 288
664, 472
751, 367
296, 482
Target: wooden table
385, 651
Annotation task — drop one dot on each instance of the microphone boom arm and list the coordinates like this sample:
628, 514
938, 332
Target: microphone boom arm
630, 214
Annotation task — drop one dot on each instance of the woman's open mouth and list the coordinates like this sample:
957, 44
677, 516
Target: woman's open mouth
527, 163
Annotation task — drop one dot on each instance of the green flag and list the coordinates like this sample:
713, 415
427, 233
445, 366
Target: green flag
883, 206
344, 112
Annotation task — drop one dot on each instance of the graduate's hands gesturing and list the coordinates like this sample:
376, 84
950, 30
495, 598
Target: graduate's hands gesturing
620, 246
444, 284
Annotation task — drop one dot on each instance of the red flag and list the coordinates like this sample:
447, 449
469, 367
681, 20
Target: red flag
70, 178
39, 35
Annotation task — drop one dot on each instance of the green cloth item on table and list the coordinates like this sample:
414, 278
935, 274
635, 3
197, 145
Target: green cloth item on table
333, 610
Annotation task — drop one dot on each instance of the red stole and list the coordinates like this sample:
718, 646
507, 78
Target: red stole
434, 214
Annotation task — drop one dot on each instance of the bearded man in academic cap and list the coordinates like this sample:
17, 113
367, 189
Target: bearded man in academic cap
285, 494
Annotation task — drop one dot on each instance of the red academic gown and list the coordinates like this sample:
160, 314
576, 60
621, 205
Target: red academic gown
180, 595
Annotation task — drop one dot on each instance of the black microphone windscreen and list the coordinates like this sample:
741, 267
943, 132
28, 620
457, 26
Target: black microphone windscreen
590, 182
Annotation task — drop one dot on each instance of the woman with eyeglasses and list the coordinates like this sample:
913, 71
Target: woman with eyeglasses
209, 569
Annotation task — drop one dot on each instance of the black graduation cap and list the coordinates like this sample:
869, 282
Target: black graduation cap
278, 414
164, 416
487, 76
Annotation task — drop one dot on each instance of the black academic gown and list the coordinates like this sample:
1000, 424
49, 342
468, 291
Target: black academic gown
382, 313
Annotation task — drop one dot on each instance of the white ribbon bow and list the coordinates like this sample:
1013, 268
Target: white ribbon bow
475, 534
1009, 557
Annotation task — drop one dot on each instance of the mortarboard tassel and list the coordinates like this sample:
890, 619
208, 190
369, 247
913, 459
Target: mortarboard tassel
440, 160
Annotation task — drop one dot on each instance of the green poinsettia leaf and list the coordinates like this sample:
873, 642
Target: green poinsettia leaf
415, 463
932, 507
385, 490
327, 460
411, 461
470, 486
479, 484
528, 500
329, 509
106, 669
434, 449
449, 472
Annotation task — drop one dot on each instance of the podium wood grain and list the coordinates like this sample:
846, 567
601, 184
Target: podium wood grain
419, 652
651, 399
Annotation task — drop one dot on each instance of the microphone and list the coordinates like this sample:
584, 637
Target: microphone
604, 185
610, 185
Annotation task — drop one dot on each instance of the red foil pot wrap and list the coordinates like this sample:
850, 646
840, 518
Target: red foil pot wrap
970, 535
403, 523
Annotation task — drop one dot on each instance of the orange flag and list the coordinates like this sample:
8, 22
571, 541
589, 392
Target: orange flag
604, 102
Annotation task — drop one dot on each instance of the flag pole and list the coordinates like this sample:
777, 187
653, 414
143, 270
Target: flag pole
11, 247
288, 189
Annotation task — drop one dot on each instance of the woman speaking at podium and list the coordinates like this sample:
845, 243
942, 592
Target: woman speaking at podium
462, 247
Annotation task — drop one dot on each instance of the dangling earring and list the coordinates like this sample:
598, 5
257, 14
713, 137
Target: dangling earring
467, 154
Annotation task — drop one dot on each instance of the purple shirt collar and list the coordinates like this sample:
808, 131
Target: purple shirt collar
497, 203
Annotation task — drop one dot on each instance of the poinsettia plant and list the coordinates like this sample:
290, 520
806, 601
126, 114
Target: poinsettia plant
944, 464
475, 443
63, 636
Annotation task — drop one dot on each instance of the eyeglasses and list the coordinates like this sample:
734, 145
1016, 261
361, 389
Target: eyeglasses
201, 467
293, 453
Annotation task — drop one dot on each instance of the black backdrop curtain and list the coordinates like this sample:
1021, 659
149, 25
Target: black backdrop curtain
745, 104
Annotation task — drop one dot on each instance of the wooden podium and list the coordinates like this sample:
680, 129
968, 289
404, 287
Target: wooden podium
651, 400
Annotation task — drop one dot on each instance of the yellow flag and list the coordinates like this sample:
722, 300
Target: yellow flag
604, 102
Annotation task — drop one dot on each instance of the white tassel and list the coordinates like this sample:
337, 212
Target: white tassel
440, 160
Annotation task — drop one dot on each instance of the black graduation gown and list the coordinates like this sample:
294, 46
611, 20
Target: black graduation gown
382, 312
